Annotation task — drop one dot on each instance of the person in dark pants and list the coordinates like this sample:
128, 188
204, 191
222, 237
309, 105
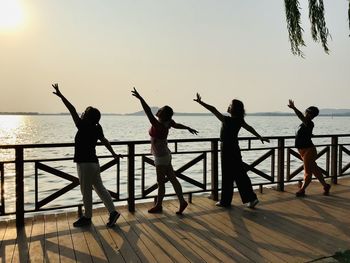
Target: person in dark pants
89, 131
306, 148
232, 166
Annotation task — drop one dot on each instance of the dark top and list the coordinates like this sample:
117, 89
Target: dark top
303, 135
229, 131
85, 142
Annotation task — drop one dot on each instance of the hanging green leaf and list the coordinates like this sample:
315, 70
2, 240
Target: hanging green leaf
319, 30
294, 26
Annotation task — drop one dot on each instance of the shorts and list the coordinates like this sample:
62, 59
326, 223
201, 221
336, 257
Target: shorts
162, 160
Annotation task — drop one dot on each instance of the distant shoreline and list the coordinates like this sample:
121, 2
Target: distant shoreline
328, 114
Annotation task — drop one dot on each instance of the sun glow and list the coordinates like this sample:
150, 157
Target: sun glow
9, 126
11, 15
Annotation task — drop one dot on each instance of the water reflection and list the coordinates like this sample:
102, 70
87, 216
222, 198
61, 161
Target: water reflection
9, 127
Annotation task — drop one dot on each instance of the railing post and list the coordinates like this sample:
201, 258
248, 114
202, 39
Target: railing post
334, 159
19, 187
280, 165
214, 171
131, 177
2, 197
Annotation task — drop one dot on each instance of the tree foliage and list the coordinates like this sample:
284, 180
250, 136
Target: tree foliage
319, 30
294, 26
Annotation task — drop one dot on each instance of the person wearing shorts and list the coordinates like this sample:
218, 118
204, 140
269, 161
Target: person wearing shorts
162, 156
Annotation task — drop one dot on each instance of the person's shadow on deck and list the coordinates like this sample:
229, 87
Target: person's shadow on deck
156, 227
202, 225
228, 225
299, 225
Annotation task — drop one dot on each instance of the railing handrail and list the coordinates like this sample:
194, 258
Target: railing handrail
70, 144
334, 159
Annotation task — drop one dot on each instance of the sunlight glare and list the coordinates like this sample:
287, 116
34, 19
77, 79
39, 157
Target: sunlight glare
11, 15
9, 126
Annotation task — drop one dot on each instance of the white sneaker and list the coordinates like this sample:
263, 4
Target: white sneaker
252, 204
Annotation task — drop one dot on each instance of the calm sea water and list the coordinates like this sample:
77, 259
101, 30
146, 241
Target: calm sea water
60, 129
15, 129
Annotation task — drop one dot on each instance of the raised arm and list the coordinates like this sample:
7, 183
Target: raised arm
145, 107
212, 109
184, 127
69, 105
109, 148
297, 112
254, 132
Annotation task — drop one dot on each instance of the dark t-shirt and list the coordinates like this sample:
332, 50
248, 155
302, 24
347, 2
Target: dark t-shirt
303, 135
85, 142
229, 130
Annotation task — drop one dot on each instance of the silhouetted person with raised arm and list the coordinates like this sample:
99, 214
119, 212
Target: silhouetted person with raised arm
232, 167
162, 155
89, 131
306, 148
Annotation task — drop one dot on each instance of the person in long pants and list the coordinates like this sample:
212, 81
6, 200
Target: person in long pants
307, 149
89, 131
233, 169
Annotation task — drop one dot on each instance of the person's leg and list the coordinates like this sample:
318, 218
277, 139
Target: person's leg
227, 178
308, 161
104, 195
86, 191
85, 187
317, 171
177, 187
100, 189
161, 172
243, 182
318, 174
175, 182
312, 155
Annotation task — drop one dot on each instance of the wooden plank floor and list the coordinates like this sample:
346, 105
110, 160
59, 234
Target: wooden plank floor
282, 228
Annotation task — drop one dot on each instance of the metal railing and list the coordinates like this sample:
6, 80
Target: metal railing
335, 150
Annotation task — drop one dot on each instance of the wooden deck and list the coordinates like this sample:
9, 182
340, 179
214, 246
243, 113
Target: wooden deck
282, 228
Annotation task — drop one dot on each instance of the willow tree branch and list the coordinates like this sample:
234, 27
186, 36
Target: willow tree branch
294, 26
319, 30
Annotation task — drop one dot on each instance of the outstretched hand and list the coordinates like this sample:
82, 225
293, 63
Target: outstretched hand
291, 104
136, 94
198, 98
193, 131
57, 90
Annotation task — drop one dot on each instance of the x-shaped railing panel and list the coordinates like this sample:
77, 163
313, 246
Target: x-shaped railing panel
342, 150
178, 173
291, 175
251, 167
74, 182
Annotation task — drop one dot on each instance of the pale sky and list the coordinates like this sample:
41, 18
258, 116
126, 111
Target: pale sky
97, 50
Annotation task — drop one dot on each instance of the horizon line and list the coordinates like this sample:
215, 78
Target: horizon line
338, 112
